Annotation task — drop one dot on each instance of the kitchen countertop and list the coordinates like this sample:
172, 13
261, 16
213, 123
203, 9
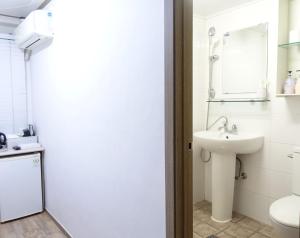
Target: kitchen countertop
20, 152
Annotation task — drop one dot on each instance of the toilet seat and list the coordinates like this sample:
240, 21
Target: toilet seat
286, 211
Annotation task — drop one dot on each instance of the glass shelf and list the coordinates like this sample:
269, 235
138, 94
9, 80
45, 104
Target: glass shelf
287, 45
238, 100
287, 95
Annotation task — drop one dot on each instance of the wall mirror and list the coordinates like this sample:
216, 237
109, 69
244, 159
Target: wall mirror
244, 63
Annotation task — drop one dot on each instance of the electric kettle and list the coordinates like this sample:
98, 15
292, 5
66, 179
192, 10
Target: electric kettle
2, 140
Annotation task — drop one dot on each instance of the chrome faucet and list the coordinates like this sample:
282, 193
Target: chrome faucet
225, 124
224, 127
233, 129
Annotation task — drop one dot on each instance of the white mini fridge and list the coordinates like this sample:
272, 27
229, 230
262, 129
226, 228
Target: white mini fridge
20, 186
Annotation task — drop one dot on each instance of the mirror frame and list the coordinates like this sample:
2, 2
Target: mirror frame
262, 93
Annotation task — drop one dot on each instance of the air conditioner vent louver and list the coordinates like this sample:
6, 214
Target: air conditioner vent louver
32, 44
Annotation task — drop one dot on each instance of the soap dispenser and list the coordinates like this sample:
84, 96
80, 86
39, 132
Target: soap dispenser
289, 85
297, 87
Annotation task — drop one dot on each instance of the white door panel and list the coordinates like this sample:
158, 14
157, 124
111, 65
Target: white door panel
20, 187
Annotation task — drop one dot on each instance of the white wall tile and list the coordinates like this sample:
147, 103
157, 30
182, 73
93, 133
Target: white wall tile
252, 204
280, 184
286, 128
278, 159
258, 181
285, 106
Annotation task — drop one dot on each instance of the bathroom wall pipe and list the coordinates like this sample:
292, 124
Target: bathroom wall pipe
28, 87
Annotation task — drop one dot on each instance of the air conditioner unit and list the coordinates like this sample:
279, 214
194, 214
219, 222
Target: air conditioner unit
35, 31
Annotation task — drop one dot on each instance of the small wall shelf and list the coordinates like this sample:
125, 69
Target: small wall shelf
287, 95
238, 100
288, 53
287, 45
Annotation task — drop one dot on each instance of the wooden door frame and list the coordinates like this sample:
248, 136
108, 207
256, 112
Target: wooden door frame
179, 129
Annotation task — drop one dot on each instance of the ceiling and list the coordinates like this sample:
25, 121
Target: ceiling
209, 7
19, 8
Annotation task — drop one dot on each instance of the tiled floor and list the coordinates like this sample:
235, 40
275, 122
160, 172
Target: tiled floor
239, 227
42, 226
38, 226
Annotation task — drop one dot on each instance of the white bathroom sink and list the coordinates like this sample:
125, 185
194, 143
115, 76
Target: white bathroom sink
220, 142
224, 148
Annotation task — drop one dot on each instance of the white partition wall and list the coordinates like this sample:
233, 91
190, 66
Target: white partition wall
98, 103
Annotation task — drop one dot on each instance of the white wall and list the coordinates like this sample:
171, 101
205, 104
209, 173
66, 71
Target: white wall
269, 171
199, 105
98, 102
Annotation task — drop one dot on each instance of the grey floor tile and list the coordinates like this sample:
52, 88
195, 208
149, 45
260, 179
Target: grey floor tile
258, 235
224, 235
267, 231
239, 231
205, 230
250, 224
201, 216
236, 217
196, 236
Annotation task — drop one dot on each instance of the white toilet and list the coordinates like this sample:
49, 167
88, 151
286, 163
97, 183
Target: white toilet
285, 212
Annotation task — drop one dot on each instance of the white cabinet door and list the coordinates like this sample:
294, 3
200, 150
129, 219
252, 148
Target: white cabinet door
20, 186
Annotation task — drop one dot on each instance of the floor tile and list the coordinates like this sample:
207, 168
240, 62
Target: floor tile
196, 222
34, 234
201, 216
37, 226
224, 235
239, 231
207, 208
267, 231
201, 204
205, 230
57, 235
236, 217
258, 235
196, 236
250, 224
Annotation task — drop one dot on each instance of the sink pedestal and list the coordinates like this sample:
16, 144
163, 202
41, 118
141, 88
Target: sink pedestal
223, 179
